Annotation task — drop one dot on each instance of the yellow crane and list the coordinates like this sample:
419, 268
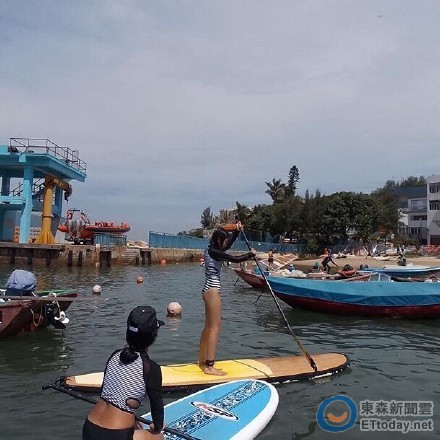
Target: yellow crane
45, 236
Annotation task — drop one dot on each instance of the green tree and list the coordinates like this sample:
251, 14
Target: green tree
277, 190
412, 181
260, 221
293, 180
243, 212
349, 212
364, 216
286, 217
207, 219
311, 215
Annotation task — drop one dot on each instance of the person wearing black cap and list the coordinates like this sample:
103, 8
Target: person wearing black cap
214, 255
129, 376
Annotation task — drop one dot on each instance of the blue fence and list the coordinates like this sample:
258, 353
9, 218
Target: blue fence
164, 240
105, 239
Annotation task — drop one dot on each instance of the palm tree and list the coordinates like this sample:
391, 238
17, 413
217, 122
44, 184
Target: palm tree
277, 190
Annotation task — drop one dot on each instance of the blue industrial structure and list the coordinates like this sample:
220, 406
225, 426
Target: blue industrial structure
30, 169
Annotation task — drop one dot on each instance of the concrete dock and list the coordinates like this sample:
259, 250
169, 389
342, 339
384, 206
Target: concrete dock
91, 255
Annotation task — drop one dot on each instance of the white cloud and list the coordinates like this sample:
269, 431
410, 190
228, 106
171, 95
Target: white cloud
177, 106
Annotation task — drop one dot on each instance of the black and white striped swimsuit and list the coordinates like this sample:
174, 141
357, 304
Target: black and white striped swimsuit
212, 272
122, 382
133, 381
213, 265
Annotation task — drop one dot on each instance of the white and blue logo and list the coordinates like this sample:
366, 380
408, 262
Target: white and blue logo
215, 411
337, 414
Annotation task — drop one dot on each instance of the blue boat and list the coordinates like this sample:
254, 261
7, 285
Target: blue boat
368, 298
410, 271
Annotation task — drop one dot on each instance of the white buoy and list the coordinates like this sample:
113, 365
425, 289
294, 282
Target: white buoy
97, 289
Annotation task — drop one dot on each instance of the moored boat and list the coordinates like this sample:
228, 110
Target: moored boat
83, 229
251, 278
369, 298
108, 227
29, 313
256, 280
411, 270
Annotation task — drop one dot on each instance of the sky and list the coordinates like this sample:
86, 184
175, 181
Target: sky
177, 106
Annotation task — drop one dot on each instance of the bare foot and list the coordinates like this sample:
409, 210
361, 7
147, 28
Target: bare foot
201, 365
214, 371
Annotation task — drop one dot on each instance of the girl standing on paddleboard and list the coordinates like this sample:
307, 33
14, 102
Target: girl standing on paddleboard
129, 376
214, 255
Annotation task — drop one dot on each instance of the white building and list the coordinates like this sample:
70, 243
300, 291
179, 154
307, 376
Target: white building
420, 216
433, 210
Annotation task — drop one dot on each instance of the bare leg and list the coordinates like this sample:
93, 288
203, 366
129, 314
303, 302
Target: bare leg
211, 331
202, 349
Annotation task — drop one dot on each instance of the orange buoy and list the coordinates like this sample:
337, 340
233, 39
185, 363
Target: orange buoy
163, 261
139, 280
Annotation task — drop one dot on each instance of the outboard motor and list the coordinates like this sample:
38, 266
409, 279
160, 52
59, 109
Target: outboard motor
54, 316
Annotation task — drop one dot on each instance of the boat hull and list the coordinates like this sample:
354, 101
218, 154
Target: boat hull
22, 316
407, 312
106, 229
254, 280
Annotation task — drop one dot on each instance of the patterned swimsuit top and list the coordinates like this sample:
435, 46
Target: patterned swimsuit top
123, 382
212, 267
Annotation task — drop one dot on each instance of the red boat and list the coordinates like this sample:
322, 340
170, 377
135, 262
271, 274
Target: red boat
108, 227
254, 280
28, 314
82, 228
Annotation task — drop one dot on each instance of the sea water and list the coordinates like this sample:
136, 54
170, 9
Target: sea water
391, 360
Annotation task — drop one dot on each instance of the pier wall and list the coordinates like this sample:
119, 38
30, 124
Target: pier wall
18, 254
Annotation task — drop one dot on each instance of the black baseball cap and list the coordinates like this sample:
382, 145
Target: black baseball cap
142, 319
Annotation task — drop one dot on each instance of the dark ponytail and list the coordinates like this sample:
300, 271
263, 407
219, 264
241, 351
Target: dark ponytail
137, 343
128, 355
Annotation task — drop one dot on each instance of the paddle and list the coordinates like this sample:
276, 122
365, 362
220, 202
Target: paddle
305, 352
79, 396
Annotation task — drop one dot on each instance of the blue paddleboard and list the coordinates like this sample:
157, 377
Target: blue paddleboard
234, 410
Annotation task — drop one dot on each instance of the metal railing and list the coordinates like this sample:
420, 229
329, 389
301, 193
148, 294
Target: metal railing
46, 146
37, 188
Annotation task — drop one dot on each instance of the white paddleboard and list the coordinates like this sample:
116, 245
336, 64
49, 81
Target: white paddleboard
237, 410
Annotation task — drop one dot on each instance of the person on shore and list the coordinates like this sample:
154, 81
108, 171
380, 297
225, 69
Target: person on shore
270, 259
129, 376
214, 255
328, 259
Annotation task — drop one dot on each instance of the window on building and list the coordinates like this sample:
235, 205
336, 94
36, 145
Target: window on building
414, 231
419, 217
434, 188
434, 205
417, 204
